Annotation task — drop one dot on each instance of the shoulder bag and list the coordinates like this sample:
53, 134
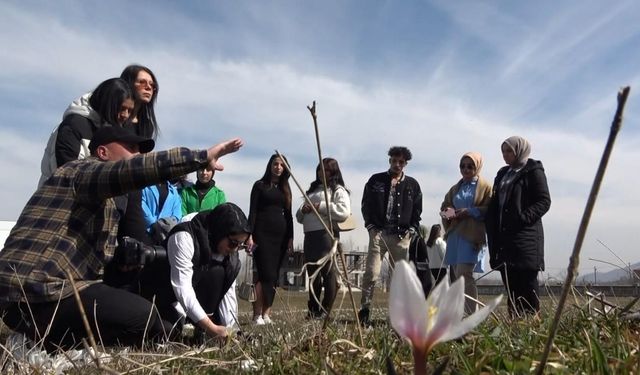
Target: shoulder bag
247, 290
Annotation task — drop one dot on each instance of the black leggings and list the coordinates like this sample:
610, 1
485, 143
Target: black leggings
115, 317
316, 245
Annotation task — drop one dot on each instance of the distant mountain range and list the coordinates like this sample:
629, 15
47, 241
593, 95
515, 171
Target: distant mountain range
607, 277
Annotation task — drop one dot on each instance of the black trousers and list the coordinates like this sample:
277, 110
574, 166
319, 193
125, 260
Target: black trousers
438, 274
316, 245
522, 289
210, 285
115, 316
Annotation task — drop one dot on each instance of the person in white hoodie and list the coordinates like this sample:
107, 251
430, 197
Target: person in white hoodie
104, 106
436, 249
110, 104
317, 242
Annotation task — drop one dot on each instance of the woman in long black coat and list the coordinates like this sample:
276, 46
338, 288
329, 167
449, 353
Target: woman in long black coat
514, 225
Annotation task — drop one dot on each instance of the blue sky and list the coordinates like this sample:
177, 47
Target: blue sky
440, 77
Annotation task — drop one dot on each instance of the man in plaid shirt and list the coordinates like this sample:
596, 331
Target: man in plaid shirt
67, 232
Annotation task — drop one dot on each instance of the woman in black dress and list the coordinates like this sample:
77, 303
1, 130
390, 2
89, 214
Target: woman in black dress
272, 227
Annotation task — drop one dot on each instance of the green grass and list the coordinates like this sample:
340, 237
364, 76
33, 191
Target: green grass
293, 345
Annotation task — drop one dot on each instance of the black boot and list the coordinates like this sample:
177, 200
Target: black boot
314, 311
363, 316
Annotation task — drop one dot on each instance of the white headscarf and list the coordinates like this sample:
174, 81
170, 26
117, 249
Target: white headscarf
520, 147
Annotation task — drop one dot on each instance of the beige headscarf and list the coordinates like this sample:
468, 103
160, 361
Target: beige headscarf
521, 148
476, 158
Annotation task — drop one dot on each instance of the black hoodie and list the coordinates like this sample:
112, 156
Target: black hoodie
210, 227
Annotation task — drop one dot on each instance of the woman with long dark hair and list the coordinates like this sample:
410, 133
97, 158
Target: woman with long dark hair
110, 104
146, 88
317, 242
436, 250
272, 233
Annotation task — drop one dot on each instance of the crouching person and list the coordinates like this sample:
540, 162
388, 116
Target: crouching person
67, 232
203, 262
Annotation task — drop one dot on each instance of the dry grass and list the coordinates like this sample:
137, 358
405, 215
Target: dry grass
585, 343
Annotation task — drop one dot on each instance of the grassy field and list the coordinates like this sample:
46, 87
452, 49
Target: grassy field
585, 343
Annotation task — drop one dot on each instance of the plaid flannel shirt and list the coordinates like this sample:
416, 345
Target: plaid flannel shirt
71, 222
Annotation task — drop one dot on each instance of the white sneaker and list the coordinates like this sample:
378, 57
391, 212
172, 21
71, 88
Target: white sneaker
258, 321
267, 319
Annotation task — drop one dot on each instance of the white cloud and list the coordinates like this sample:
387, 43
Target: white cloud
207, 97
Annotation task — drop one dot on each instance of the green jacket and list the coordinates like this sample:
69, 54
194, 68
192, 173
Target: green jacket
191, 203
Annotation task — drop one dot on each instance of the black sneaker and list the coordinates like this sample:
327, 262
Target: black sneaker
363, 316
312, 315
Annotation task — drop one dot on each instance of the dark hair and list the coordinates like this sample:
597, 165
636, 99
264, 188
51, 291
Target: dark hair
147, 125
434, 233
334, 176
107, 99
283, 181
400, 151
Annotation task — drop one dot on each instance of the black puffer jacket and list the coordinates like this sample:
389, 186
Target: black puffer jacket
518, 240
210, 227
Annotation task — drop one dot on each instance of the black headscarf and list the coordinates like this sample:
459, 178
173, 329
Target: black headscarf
210, 227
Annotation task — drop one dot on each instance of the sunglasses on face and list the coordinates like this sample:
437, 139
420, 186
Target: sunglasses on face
145, 83
235, 244
467, 166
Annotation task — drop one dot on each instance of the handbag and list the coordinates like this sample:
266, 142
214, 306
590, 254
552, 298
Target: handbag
247, 290
348, 224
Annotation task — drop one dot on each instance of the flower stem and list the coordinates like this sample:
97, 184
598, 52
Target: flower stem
419, 361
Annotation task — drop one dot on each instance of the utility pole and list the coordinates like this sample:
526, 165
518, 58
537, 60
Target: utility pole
595, 275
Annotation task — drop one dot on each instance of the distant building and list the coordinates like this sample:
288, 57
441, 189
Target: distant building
292, 278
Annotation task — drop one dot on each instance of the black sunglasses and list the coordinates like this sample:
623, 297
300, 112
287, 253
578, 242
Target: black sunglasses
240, 245
467, 166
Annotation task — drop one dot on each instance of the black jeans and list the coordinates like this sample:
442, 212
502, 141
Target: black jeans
210, 285
115, 317
316, 245
522, 289
438, 274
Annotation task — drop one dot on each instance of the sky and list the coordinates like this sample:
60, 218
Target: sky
439, 77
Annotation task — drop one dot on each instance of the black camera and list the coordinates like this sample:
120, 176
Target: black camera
132, 252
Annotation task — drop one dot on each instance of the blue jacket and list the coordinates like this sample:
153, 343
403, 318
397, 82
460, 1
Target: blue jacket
150, 202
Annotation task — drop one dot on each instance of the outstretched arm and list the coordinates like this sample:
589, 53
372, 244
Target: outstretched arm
221, 149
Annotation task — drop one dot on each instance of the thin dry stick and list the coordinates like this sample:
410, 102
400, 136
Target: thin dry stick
314, 115
312, 109
320, 262
574, 261
353, 302
304, 195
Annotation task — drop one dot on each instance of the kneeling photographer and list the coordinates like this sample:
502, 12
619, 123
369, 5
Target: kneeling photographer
132, 267
203, 263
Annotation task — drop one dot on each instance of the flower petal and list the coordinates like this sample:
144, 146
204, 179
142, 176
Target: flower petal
450, 309
471, 321
439, 292
407, 305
